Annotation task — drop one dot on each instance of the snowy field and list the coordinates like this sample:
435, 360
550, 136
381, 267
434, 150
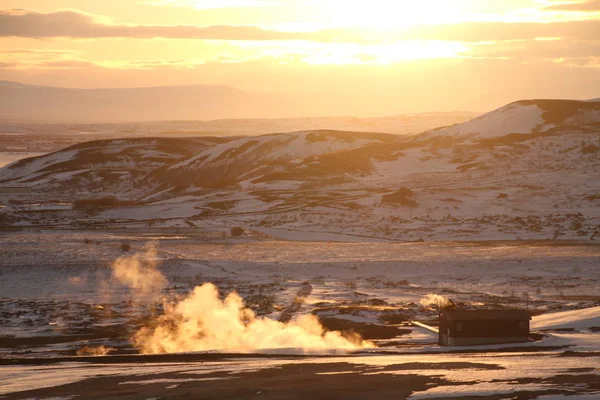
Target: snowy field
68, 297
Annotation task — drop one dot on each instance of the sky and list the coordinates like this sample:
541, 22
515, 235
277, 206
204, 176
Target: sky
464, 54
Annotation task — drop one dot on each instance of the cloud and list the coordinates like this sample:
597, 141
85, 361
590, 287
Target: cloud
210, 4
79, 25
521, 51
58, 62
586, 62
498, 31
45, 65
530, 50
76, 24
38, 52
588, 6
64, 64
150, 64
406, 87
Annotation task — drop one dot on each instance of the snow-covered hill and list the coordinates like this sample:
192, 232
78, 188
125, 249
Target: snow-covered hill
528, 170
574, 319
528, 117
115, 165
299, 156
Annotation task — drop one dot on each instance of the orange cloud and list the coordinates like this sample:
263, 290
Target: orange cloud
587, 6
75, 24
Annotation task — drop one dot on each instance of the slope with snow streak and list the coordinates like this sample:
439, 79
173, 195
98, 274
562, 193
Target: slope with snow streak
513, 118
104, 162
526, 117
577, 319
286, 146
298, 156
32, 167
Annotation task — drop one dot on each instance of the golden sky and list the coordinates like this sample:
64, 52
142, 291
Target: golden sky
455, 50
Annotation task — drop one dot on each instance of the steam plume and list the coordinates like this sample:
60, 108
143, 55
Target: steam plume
140, 274
203, 322
435, 300
77, 281
95, 351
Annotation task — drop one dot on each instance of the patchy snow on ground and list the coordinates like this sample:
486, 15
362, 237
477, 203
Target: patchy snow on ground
344, 247
288, 146
520, 187
313, 236
33, 166
58, 284
577, 319
461, 375
513, 118
475, 390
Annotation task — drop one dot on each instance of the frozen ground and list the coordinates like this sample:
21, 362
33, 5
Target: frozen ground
57, 297
487, 376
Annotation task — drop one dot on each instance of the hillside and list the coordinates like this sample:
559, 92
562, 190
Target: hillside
529, 117
525, 171
118, 166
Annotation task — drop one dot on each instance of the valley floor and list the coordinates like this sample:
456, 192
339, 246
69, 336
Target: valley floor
59, 301
483, 376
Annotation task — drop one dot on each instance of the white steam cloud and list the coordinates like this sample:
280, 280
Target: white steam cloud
203, 321
139, 273
98, 351
435, 300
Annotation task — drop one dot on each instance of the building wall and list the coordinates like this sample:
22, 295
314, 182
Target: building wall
485, 340
475, 332
489, 328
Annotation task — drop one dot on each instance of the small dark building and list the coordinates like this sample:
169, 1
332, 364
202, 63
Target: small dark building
472, 327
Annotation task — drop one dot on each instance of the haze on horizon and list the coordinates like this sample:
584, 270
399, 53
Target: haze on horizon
452, 55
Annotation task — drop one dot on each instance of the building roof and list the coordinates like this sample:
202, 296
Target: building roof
481, 315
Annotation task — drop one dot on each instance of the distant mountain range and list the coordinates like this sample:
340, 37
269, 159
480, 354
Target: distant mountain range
528, 170
194, 102
398, 124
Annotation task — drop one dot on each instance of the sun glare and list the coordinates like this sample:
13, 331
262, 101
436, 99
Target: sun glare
383, 53
391, 14
381, 16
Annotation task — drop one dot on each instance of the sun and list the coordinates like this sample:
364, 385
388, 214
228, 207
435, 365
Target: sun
383, 17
